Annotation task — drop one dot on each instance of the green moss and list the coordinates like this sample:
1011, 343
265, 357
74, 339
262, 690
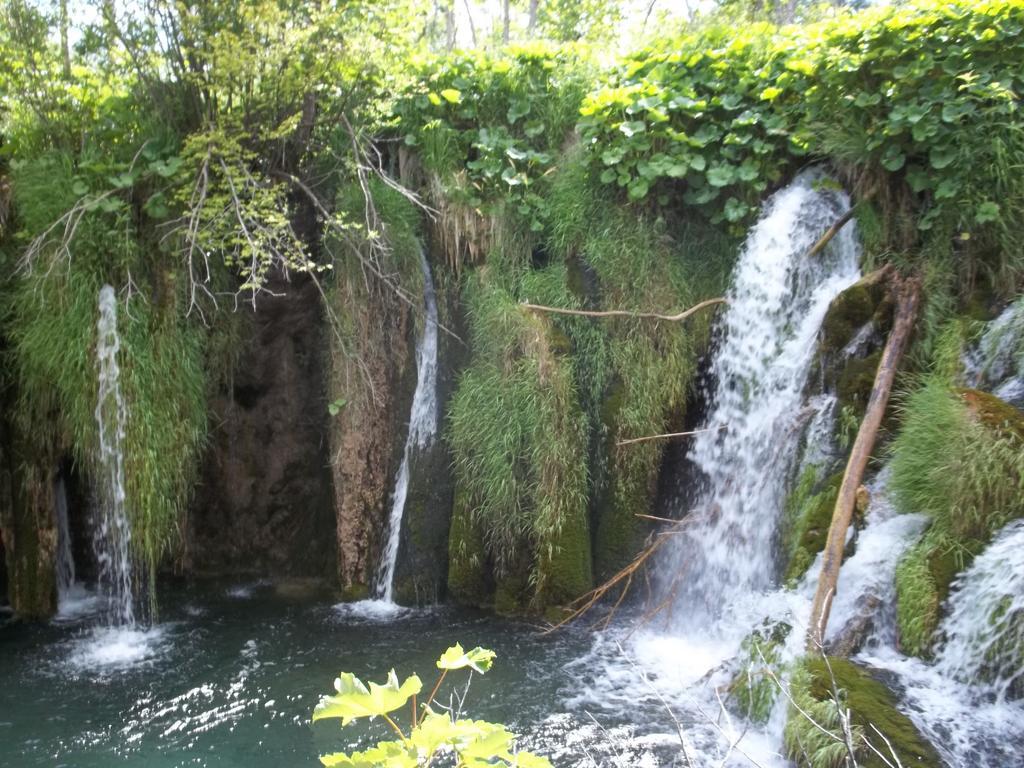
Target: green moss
998, 416
468, 582
870, 705
856, 381
847, 313
565, 570
354, 593
812, 516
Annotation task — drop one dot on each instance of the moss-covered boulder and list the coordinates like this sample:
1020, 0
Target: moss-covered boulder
810, 514
823, 688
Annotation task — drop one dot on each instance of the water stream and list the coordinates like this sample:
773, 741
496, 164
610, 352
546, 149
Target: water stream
422, 429
112, 530
766, 346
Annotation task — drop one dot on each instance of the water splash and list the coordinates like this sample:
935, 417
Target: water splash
112, 531
422, 428
766, 347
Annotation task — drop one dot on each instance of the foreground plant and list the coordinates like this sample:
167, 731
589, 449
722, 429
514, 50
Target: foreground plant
473, 743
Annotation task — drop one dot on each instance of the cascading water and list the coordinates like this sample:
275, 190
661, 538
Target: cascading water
765, 350
65, 559
112, 531
422, 428
984, 631
996, 362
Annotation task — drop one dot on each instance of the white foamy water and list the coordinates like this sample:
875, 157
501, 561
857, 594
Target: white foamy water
371, 610
422, 429
112, 532
109, 649
766, 346
866, 588
996, 362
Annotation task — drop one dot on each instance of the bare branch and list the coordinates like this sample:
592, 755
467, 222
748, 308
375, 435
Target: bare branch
626, 313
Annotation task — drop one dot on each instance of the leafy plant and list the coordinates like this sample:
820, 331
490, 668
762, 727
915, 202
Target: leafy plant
431, 733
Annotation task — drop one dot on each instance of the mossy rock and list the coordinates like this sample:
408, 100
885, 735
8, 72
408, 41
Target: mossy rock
353, 593
847, 314
871, 704
619, 533
512, 595
810, 527
468, 579
996, 414
857, 377
565, 569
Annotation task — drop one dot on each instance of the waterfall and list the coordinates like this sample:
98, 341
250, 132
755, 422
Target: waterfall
984, 630
765, 348
65, 559
996, 362
422, 428
112, 532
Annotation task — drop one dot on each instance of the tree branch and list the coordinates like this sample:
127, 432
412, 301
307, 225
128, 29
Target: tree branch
626, 313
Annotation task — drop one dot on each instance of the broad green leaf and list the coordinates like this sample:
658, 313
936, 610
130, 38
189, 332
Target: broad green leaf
893, 159
434, 99
451, 95
355, 700
942, 156
721, 175
633, 127
986, 212
479, 659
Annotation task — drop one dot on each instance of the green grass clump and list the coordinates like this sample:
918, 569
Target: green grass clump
958, 458
51, 323
519, 436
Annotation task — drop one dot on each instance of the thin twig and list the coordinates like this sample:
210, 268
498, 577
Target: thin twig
669, 435
626, 313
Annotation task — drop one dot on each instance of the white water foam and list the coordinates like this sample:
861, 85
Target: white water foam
996, 361
422, 429
371, 611
103, 650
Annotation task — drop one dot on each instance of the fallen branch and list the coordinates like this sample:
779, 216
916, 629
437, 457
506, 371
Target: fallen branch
834, 229
668, 435
909, 292
626, 313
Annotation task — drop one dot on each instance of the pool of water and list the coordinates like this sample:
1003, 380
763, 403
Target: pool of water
231, 674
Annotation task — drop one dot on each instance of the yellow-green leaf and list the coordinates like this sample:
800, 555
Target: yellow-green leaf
355, 700
479, 659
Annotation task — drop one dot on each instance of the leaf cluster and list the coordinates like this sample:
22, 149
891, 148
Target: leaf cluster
432, 733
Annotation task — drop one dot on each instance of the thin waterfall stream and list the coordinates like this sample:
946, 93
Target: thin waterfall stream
422, 430
112, 532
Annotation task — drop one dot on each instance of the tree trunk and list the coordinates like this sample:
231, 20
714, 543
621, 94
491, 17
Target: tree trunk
506, 20
64, 46
906, 311
532, 25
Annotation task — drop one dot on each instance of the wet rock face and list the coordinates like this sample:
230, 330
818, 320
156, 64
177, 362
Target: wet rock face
264, 504
377, 377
